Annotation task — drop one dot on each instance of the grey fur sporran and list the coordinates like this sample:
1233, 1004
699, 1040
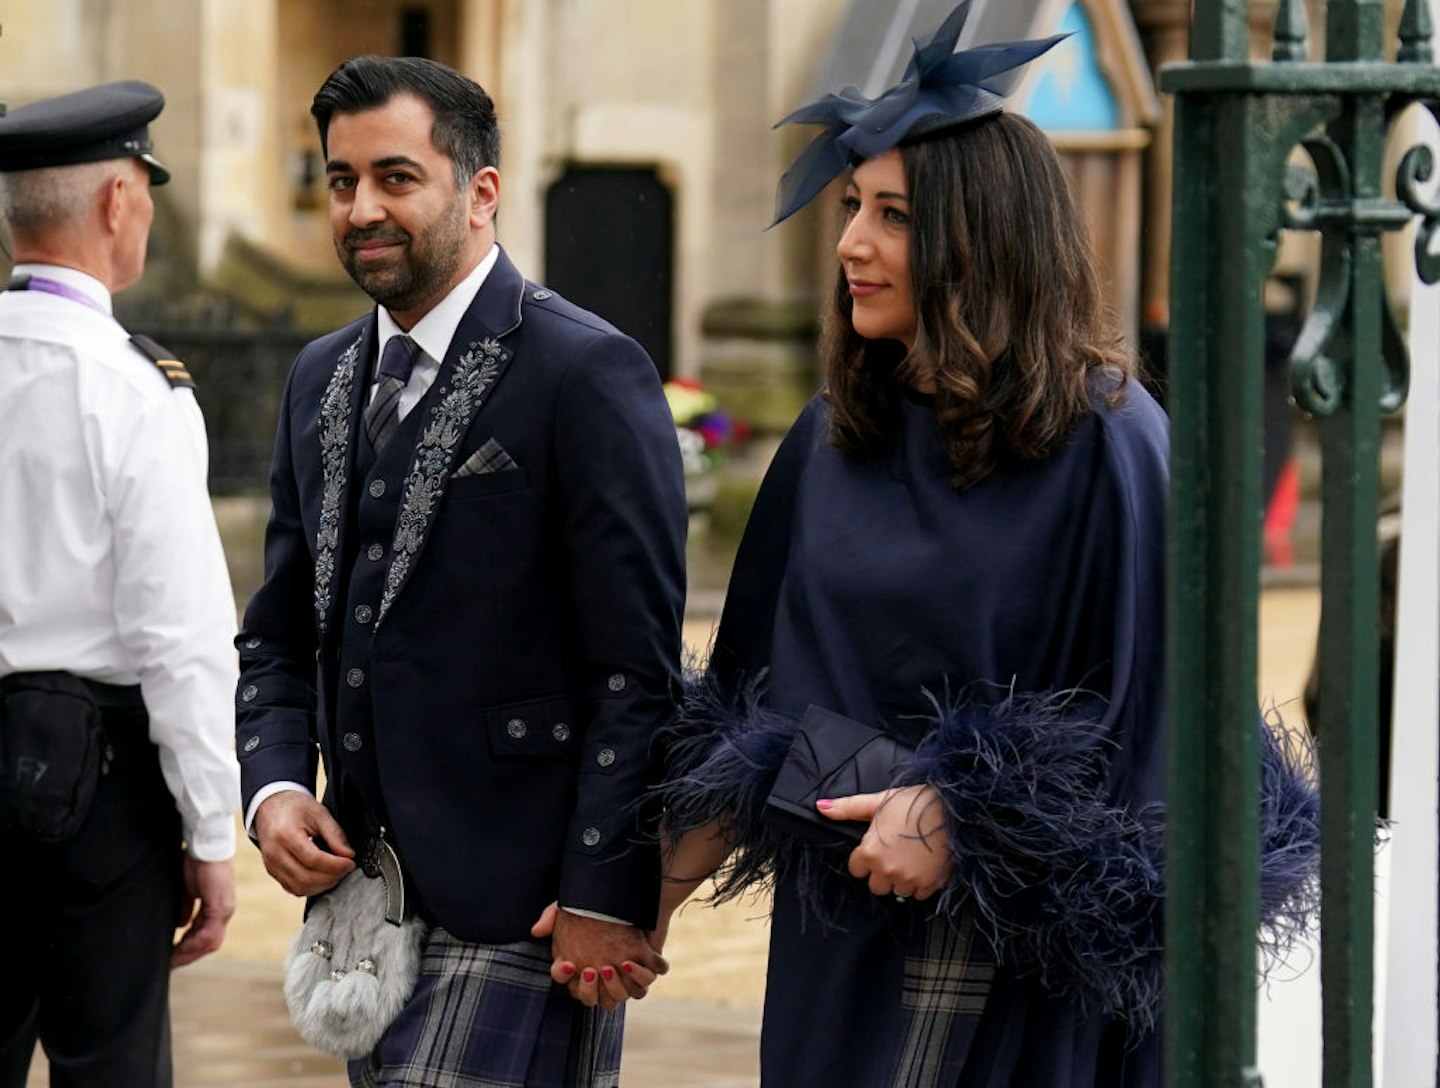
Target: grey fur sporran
350, 969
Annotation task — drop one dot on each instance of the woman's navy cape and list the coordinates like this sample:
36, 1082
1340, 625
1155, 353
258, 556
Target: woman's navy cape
1013, 634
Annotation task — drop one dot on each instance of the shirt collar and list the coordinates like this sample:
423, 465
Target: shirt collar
86, 284
436, 329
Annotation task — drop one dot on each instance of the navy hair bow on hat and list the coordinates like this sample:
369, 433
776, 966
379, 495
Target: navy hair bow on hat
940, 88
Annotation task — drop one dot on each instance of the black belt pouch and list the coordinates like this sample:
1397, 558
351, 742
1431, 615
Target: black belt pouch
53, 751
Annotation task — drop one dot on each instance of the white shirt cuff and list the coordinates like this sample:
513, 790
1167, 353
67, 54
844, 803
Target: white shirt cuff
596, 915
265, 792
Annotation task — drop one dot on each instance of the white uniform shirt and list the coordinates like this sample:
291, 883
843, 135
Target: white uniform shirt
110, 563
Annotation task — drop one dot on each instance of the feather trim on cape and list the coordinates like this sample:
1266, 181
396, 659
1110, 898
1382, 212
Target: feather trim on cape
1066, 886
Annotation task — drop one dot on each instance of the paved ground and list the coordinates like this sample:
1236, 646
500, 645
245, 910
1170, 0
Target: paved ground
699, 1029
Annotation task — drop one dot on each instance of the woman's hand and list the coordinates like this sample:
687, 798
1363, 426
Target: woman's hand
905, 851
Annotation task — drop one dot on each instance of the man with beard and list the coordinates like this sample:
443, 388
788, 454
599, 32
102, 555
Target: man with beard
474, 579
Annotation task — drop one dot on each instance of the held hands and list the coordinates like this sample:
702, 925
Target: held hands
287, 824
606, 978
905, 850
621, 962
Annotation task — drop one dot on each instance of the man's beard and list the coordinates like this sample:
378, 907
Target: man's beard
422, 270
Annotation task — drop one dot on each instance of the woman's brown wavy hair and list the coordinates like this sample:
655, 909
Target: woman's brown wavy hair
1010, 322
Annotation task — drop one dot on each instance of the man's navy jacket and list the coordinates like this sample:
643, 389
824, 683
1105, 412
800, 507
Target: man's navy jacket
479, 627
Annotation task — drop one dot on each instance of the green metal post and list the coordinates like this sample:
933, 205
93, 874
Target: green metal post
1349, 593
1237, 124
1235, 146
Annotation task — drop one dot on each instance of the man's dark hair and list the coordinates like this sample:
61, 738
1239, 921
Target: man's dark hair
465, 128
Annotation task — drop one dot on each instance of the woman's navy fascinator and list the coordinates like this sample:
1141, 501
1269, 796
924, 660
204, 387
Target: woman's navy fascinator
940, 88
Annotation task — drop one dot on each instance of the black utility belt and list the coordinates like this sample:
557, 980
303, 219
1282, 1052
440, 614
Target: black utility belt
115, 696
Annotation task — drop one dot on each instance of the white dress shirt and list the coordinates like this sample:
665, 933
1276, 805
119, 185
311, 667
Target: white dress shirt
110, 563
432, 333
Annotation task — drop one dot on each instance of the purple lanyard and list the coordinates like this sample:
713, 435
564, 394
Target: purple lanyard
55, 287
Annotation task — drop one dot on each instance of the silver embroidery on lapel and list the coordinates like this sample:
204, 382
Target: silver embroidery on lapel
334, 446
474, 373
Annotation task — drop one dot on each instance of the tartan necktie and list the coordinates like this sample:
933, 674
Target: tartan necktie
383, 414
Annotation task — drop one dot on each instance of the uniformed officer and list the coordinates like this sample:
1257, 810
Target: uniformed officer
111, 571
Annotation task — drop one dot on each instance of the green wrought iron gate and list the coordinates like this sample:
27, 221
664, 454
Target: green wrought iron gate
1237, 124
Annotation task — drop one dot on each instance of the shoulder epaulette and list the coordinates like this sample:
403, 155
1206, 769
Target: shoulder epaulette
173, 369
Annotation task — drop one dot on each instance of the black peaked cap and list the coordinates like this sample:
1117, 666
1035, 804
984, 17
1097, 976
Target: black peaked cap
100, 123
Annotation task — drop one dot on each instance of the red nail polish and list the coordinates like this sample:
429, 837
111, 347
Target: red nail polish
608, 972
825, 804
567, 968
628, 967
588, 974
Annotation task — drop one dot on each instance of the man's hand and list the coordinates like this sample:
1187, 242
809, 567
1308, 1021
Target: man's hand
213, 884
287, 824
601, 963
905, 850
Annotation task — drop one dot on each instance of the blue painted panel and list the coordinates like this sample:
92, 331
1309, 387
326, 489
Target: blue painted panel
1071, 93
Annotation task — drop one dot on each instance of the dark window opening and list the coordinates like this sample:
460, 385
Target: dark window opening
415, 32
609, 243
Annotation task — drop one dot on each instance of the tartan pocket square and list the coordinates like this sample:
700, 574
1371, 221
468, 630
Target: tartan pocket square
491, 457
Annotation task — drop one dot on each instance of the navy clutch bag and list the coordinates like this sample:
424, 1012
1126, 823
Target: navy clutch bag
831, 756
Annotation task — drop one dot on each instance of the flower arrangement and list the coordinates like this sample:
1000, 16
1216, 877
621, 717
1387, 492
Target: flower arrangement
706, 433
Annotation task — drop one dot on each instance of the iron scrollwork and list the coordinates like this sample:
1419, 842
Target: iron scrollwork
1323, 199
1416, 168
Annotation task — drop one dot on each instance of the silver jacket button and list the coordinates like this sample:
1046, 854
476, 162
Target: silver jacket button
591, 837
616, 682
352, 742
516, 728
249, 694
355, 677
605, 757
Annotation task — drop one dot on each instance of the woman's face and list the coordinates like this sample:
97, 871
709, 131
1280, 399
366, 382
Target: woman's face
874, 250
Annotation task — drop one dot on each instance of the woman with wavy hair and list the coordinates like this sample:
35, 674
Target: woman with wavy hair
932, 721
